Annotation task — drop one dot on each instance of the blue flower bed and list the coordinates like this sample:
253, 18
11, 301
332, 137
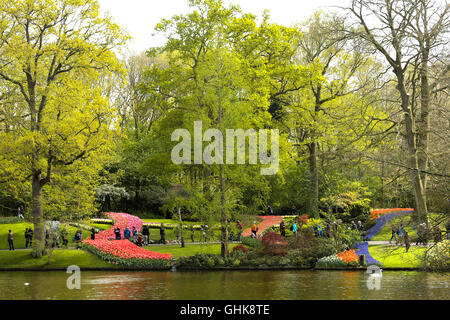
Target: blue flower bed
381, 221
363, 249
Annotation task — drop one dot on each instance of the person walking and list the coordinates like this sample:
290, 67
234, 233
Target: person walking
11, 241
283, 228
63, 234
135, 234
78, 238
26, 238
421, 234
117, 233
407, 241
162, 233
400, 233
360, 227
145, 235
394, 234
254, 230
19, 213
92, 234
294, 228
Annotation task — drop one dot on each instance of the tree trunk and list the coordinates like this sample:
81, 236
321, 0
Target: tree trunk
314, 181
38, 218
181, 227
410, 133
423, 125
223, 220
382, 185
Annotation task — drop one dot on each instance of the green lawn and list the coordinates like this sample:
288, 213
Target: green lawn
386, 232
59, 259
189, 249
19, 234
171, 221
396, 256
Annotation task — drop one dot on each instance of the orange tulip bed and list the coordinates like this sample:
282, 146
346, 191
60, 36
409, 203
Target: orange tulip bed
376, 213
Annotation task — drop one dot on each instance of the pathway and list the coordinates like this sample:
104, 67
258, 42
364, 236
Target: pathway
268, 221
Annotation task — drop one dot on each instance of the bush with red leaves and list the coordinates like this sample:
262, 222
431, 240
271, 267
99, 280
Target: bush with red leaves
240, 247
274, 244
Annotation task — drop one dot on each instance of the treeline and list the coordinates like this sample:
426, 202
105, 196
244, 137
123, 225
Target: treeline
359, 97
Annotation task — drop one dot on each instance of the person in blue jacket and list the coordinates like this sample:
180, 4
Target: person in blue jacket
294, 228
126, 233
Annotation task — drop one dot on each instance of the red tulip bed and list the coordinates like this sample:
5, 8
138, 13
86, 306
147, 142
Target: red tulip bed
268, 221
124, 252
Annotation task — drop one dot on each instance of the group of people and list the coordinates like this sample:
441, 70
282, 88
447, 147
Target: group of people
319, 230
28, 238
133, 235
401, 236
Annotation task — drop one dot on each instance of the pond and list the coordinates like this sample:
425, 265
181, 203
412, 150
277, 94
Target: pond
225, 285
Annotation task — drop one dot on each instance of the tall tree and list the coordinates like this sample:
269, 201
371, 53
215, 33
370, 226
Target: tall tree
405, 33
53, 53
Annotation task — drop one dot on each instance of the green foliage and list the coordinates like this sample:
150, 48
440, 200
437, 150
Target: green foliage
438, 257
252, 242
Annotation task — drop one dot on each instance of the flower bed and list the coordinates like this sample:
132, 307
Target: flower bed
383, 219
330, 262
349, 257
121, 220
266, 223
363, 249
376, 213
124, 252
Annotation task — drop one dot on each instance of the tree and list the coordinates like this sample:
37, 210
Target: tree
405, 33
54, 53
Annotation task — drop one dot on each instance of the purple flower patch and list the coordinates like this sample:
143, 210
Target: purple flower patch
381, 221
363, 249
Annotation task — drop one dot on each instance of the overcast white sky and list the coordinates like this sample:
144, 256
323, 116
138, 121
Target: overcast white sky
139, 17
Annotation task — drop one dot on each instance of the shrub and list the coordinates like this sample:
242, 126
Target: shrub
360, 208
303, 241
438, 257
274, 244
241, 248
10, 220
252, 242
322, 247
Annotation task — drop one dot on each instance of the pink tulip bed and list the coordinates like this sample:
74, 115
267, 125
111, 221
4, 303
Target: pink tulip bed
124, 252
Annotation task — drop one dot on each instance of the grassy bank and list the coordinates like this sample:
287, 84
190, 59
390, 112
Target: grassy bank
18, 230
397, 257
189, 250
59, 259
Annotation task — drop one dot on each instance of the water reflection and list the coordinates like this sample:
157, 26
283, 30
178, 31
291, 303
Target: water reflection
241, 285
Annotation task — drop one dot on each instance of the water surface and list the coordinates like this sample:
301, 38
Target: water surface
225, 285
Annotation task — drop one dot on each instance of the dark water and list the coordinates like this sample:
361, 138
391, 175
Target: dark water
224, 285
